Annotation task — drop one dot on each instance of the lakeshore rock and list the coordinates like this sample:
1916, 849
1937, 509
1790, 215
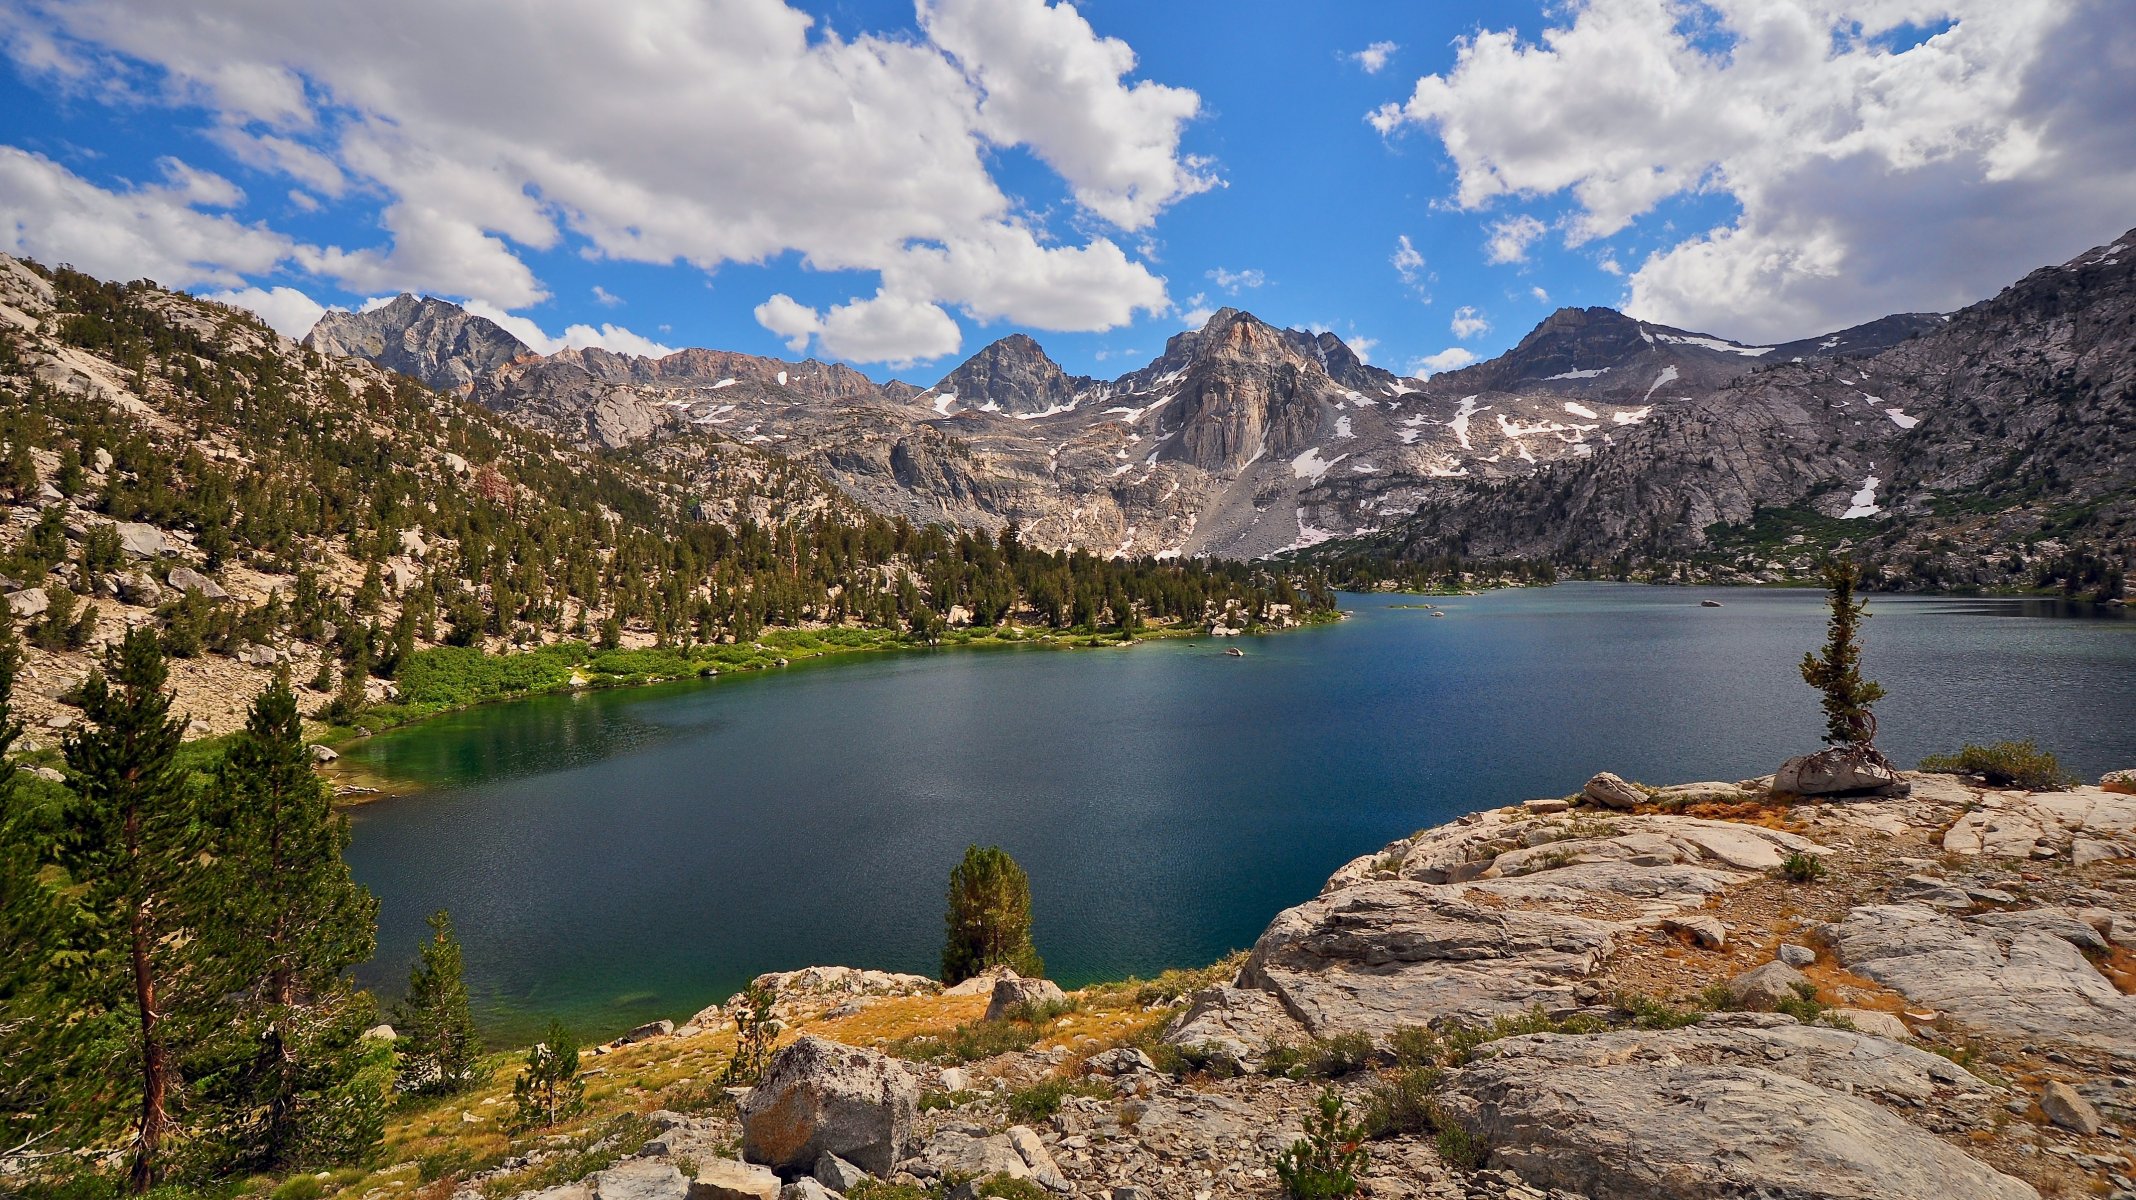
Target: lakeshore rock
1838, 771
1011, 995
726, 1179
820, 1097
1610, 791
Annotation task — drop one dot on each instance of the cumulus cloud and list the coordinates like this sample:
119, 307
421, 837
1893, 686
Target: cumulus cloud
1235, 282
1450, 359
605, 298
1197, 312
1541, 296
1374, 57
574, 337
895, 330
1467, 323
289, 311
1510, 239
752, 132
1862, 141
139, 231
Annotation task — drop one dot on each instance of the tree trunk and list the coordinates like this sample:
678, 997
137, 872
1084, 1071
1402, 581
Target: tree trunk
154, 1076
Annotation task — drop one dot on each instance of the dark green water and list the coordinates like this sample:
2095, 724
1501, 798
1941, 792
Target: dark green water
619, 856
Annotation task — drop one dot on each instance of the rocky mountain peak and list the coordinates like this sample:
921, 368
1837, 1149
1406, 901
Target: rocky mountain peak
428, 339
1013, 375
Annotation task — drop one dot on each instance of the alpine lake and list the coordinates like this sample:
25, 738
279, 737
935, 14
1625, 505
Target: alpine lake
614, 857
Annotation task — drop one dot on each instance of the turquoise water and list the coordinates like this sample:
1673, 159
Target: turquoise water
619, 856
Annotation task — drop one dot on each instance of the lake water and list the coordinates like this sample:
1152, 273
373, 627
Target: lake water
619, 856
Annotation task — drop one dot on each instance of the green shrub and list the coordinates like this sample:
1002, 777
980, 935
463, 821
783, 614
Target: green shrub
548, 1088
1401, 1102
1325, 1163
2005, 765
1321, 1058
966, 1043
876, 1189
1802, 868
1804, 1005
299, 1187
1649, 1013
1010, 1188
1462, 1150
1042, 1099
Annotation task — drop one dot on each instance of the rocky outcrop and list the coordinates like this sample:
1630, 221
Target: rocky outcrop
1838, 771
1013, 375
436, 342
1013, 996
819, 1097
1740, 1110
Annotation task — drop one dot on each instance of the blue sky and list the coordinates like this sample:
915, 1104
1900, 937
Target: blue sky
897, 186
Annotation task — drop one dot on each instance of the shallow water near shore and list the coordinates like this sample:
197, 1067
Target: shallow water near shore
613, 857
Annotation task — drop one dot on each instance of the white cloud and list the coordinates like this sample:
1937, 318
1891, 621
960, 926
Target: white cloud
1048, 81
605, 298
1450, 359
1235, 282
289, 311
754, 132
1374, 57
1361, 346
897, 331
1610, 265
1510, 239
1409, 264
1541, 296
1197, 312
1859, 154
303, 201
140, 231
1467, 323
574, 337
793, 321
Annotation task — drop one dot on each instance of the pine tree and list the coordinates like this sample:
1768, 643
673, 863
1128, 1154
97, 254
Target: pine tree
437, 1044
132, 846
290, 925
1838, 674
989, 917
549, 1088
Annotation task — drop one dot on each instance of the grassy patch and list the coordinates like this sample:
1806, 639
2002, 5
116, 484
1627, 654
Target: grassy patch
2005, 765
1041, 1100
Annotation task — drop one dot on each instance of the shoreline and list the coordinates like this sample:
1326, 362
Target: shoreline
355, 786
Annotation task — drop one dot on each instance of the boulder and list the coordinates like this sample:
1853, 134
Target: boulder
1795, 956
640, 1179
1233, 1027
1762, 988
258, 656
1611, 791
48, 774
323, 753
141, 541
819, 1097
1033, 1151
1704, 930
382, 1033
726, 1179
1121, 1060
136, 587
1840, 771
2123, 782
2066, 1108
804, 1188
186, 579
1778, 1110
647, 1031
1012, 995
981, 984
837, 1174
1874, 1022
958, 1154
27, 603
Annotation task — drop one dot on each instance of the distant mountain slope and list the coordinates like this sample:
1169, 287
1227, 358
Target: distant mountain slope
1244, 440
1995, 448
431, 341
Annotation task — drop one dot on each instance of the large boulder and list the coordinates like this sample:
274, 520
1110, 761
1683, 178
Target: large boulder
1013, 996
141, 541
1739, 1109
1234, 1027
27, 603
1611, 791
186, 579
1840, 771
1763, 988
138, 587
819, 1097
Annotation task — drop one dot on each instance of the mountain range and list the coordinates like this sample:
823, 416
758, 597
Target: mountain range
1599, 441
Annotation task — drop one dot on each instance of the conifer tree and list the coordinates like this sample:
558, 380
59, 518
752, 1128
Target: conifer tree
989, 917
132, 846
436, 1030
290, 925
549, 1088
1838, 674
